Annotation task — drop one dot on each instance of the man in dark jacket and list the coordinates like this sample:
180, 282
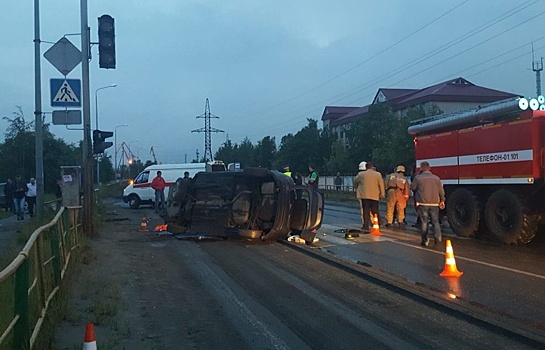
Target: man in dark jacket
19, 190
430, 197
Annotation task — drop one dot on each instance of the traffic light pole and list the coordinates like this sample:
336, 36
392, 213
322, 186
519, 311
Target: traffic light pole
87, 149
38, 116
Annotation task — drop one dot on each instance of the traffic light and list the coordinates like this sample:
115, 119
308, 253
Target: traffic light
106, 42
99, 145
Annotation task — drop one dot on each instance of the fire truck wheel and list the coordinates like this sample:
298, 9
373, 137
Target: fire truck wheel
463, 211
134, 201
507, 220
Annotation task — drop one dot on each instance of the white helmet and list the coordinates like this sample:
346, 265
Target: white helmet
362, 166
400, 168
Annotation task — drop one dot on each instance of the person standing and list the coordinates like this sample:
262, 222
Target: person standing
430, 197
369, 187
159, 184
31, 196
287, 171
19, 189
186, 175
313, 177
338, 181
8, 196
397, 194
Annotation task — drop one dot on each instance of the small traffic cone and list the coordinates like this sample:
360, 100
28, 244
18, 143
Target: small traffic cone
89, 340
144, 224
450, 263
375, 231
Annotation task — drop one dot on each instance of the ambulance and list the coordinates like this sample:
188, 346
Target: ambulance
139, 191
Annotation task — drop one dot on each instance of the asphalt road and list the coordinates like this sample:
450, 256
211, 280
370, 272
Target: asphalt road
505, 279
241, 294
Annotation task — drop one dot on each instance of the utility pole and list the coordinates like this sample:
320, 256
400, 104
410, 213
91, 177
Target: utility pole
208, 130
38, 115
537, 67
87, 149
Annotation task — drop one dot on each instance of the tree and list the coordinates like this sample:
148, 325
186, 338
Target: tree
381, 136
338, 160
265, 152
227, 153
18, 151
307, 146
246, 154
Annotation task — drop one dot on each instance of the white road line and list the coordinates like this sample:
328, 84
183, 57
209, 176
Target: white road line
478, 262
331, 239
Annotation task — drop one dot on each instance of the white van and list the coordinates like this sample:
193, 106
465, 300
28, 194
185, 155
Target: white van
140, 192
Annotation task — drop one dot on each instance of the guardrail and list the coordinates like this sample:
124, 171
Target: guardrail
31, 280
338, 192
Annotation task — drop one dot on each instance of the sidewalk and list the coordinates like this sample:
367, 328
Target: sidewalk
9, 227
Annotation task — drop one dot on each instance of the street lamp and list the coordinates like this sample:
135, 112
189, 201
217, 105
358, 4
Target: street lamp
96, 123
131, 159
96, 102
115, 148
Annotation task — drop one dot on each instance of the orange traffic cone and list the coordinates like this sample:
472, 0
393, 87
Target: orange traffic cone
375, 231
450, 263
89, 340
144, 224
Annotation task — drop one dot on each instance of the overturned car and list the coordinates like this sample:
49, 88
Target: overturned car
253, 203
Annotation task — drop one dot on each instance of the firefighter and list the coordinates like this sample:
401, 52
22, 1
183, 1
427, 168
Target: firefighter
369, 187
397, 194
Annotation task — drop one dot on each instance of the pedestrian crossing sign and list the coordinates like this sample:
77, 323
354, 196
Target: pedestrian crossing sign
65, 92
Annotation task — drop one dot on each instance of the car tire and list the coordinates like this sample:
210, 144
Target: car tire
134, 201
507, 218
463, 212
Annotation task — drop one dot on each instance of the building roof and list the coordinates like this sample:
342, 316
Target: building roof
390, 94
454, 90
334, 112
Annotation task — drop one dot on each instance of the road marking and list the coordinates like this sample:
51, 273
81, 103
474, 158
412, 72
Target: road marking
477, 261
366, 238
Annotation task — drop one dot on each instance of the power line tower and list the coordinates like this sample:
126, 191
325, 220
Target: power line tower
208, 130
537, 66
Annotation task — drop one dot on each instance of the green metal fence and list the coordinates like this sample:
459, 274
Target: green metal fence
31, 280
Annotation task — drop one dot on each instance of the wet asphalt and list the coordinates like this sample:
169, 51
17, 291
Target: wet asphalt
506, 280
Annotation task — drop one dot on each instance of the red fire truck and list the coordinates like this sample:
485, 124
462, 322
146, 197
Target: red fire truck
491, 161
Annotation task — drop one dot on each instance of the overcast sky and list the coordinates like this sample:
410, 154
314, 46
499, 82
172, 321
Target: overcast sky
265, 66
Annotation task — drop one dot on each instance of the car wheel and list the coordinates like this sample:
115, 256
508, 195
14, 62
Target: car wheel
463, 212
507, 218
134, 201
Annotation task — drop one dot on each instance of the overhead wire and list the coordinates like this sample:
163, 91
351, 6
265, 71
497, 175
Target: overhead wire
422, 58
369, 58
452, 43
463, 52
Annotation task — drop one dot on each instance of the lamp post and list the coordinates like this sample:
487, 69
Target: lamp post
115, 149
131, 160
96, 123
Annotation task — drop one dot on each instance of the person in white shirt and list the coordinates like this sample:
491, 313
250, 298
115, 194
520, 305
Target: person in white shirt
31, 196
